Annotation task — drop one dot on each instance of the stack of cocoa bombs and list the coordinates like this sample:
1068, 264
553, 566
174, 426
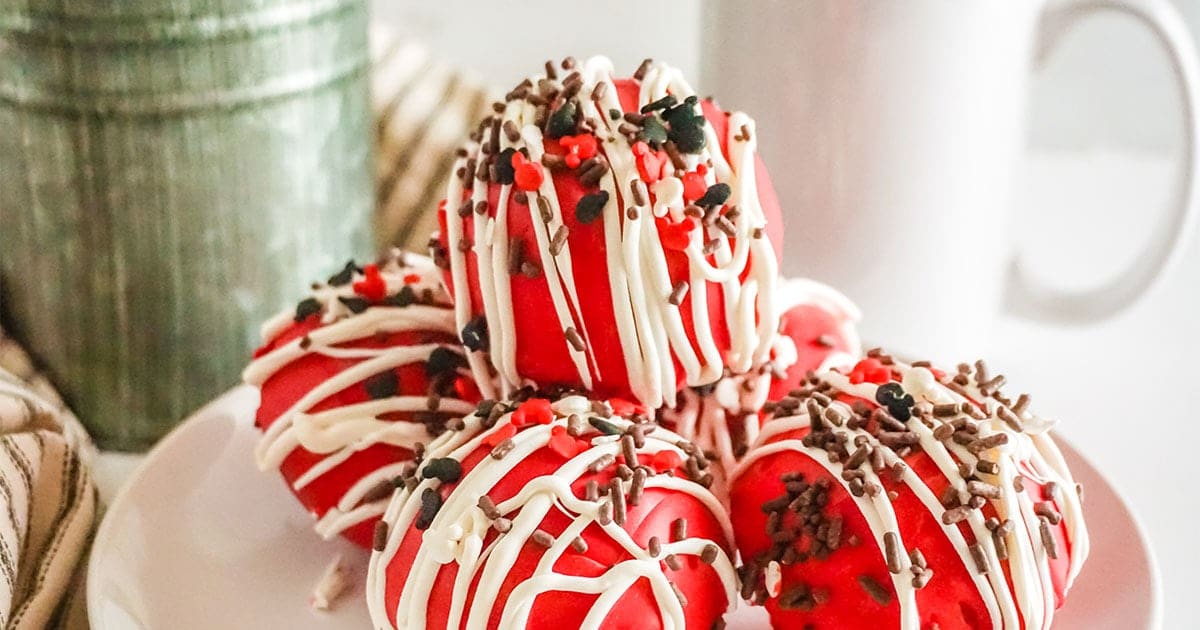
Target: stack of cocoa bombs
597, 405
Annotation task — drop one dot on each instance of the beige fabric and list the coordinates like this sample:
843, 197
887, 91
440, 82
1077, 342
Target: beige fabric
47, 501
424, 111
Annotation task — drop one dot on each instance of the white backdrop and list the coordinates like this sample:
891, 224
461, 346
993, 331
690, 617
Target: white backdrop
1105, 87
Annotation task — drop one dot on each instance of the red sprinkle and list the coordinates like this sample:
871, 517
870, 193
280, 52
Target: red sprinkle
527, 175
694, 186
676, 236
622, 407
579, 148
870, 370
372, 287
499, 434
466, 389
649, 163
412, 278
663, 461
533, 411
564, 444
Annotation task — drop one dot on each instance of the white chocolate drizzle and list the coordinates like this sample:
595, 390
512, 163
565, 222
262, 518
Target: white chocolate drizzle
340, 432
458, 532
708, 419
650, 327
1029, 453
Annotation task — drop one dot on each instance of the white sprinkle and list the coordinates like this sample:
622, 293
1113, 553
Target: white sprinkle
773, 578
330, 587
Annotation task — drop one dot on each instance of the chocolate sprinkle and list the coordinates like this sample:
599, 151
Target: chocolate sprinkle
1001, 544
980, 558
955, 515
636, 486
542, 538
379, 540
590, 206
504, 167
642, 69
443, 361
489, 507
431, 502
475, 335
356, 305
306, 308
882, 596
617, 496
1048, 538
891, 546
382, 385
604, 513
502, 449
444, 469
559, 240
563, 121
382, 490
678, 292
920, 580
678, 529
344, 276
665, 102
715, 196
574, 339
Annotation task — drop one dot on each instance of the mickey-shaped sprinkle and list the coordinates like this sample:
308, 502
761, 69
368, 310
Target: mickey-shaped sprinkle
898, 402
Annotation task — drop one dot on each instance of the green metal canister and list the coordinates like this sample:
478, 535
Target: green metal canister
172, 172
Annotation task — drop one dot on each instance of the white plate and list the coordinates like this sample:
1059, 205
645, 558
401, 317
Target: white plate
200, 539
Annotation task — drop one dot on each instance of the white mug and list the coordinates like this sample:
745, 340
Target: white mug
893, 128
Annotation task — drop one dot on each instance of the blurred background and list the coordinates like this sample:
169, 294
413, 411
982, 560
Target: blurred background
1104, 87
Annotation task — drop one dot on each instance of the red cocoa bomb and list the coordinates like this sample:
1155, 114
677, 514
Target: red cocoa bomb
821, 325
612, 235
566, 514
817, 331
900, 496
351, 381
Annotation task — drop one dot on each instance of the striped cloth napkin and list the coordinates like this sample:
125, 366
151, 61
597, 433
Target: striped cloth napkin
48, 505
47, 501
424, 109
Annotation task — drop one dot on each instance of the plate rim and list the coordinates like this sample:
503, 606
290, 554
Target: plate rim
1157, 602
104, 533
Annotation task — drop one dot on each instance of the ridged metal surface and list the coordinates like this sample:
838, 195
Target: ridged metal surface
172, 173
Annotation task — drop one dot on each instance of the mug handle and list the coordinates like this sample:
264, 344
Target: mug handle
1033, 299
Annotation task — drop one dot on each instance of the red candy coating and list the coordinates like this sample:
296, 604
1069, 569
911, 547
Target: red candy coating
951, 598
653, 516
546, 362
